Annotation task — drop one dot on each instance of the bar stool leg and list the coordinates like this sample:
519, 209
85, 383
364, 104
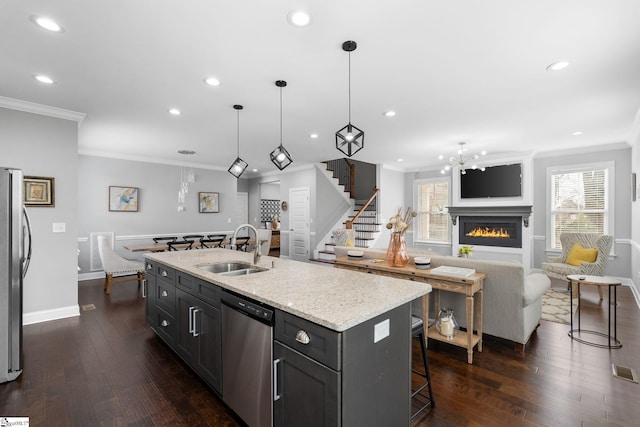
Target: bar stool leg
427, 375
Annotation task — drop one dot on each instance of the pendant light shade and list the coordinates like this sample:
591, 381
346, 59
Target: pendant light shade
238, 166
280, 156
349, 139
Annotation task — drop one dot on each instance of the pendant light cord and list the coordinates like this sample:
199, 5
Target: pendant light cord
238, 133
349, 87
281, 116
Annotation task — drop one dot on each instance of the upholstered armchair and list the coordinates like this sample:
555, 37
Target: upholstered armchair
557, 267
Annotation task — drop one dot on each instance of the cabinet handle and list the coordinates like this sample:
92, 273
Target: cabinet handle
191, 320
302, 337
164, 273
144, 288
276, 378
164, 323
164, 294
195, 326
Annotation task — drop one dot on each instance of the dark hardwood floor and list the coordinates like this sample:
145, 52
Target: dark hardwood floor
106, 368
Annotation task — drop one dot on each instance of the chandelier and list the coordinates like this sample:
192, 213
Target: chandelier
462, 159
187, 177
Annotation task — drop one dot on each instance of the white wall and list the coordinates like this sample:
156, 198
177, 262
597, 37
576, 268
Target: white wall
393, 193
158, 201
47, 146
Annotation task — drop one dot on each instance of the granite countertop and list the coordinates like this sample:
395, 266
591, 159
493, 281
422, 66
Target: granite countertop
335, 298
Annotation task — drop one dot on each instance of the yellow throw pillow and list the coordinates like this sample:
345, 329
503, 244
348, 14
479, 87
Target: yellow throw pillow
578, 254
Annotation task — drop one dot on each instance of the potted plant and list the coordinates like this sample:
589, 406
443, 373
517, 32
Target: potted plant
465, 251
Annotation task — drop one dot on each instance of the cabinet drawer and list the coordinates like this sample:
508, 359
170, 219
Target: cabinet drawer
150, 267
165, 326
207, 292
323, 345
166, 296
186, 282
164, 272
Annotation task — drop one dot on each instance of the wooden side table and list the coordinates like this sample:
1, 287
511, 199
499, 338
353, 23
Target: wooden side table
610, 283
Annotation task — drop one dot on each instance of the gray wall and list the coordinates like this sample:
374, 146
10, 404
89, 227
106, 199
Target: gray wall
635, 217
158, 200
620, 265
47, 146
393, 195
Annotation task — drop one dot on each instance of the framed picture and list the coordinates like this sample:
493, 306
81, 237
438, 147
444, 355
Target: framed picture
39, 191
208, 202
123, 199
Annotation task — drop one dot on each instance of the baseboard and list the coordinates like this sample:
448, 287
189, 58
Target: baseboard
47, 315
91, 276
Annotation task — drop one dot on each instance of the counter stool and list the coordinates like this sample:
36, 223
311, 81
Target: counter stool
418, 331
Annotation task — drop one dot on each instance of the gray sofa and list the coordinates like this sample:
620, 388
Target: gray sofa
512, 305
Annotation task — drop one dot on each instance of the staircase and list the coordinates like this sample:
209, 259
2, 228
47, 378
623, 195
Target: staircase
364, 219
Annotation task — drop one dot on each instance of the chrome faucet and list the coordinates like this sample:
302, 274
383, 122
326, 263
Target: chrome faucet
257, 253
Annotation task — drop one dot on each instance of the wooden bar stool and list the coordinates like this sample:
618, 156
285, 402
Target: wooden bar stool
417, 330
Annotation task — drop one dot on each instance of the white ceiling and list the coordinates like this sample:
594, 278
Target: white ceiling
463, 70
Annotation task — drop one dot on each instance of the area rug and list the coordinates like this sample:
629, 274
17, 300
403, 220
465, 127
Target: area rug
555, 306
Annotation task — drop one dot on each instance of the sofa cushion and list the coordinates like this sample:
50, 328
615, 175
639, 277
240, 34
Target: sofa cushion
535, 285
579, 254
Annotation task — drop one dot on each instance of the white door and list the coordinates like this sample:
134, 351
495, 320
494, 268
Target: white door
299, 224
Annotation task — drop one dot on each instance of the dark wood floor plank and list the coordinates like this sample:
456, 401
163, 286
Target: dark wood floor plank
107, 368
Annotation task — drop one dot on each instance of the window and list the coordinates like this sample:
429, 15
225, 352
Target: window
581, 200
432, 222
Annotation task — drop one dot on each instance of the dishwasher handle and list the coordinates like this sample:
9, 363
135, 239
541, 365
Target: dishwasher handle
276, 377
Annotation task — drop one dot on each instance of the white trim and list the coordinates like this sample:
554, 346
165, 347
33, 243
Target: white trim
43, 110
151, 236
47, 315
583, 150
539, 238
91, 276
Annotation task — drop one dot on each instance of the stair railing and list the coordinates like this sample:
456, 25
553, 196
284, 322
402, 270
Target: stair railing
349, 224
345, 171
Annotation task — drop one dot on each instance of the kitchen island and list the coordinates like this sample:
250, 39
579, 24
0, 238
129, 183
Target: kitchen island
341, 341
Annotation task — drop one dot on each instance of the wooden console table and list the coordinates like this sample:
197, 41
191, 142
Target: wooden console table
470, 286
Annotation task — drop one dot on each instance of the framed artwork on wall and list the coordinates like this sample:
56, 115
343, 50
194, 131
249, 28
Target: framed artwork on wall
123, 199
209, 202
39, 191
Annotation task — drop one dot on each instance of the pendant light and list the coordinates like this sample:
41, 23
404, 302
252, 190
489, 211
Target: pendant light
280, 156
349, 139
238, 166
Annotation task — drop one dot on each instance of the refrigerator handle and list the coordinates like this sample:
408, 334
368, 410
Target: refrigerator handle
27, 258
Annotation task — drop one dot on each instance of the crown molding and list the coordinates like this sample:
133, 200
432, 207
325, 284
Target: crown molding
43, 110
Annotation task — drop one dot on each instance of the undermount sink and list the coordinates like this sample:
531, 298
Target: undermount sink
231, 268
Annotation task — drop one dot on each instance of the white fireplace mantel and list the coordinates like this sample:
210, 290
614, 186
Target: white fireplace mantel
522, 211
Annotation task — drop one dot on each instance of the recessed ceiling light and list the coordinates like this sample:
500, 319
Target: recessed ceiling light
44, 79
389, 113
254, 170
313, 135
46, 23
212, 81
299, 18
400, 160
576, 133
175, 111
556, 66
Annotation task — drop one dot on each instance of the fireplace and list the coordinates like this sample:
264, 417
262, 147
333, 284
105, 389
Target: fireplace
501, 231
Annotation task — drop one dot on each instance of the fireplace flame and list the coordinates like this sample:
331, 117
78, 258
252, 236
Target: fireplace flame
489, 232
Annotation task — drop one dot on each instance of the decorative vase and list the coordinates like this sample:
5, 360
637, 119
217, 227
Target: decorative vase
397, 255
274, 224
446, 323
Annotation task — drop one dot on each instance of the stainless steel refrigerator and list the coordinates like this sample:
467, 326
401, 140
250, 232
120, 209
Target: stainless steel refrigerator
15, 253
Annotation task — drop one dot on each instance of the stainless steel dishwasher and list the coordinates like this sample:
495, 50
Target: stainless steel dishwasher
247, 357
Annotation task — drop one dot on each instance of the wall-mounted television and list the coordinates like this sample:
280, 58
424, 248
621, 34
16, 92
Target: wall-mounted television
494, 181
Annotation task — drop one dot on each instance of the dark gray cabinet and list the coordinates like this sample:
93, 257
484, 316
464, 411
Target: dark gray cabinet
359, 376
198, 339
185, 313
